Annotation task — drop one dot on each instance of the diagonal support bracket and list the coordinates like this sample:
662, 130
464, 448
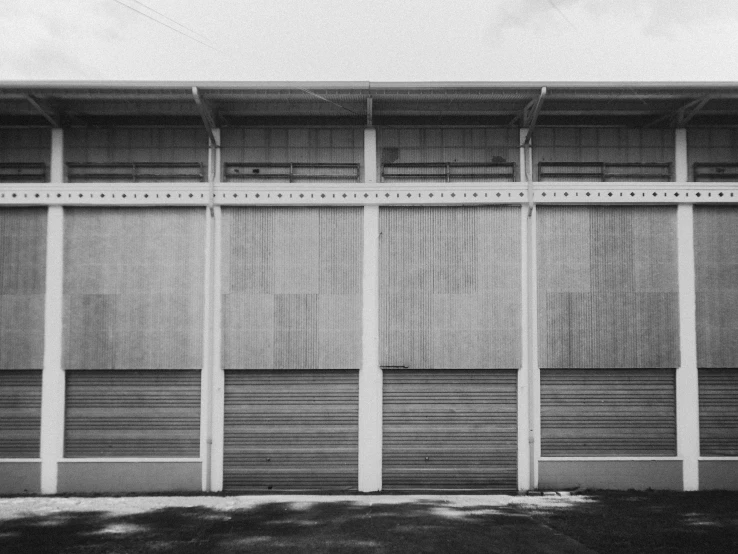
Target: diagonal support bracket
530, 115
683, 115
206, 113
45, 111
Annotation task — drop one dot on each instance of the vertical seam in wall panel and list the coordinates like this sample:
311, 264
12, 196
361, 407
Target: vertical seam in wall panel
687, 382
52, 387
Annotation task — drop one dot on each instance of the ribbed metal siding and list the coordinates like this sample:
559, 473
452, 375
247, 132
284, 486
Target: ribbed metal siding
291, 430
607, 287
711, 146
133, 288
718, 412
148, 414
450, 430
22, 287
449, 283
432, 145
617, 412
716, 267
291, 283
20, 414
114, 145
562, 144
25, 146
293, 145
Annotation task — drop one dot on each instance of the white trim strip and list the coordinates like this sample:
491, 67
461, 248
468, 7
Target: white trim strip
131, 460
20, 460
718, 459
524, 458
218, 376
611, 459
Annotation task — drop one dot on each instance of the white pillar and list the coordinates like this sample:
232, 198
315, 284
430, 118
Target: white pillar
52, 388
370, 375
56, 168
214, 159
370, 155
218, 377
206, 439
523, 377
681, 163
687, 383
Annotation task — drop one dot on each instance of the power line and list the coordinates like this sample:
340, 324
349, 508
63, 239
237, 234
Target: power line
166, 25
170, 19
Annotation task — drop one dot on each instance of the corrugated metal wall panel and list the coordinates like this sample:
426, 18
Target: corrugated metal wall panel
291, 430
22, 287
148, 414
718, 412
716, 146
293, 145
292, 288
25, 146
450, 430
433, 145
716, 267
20, 414
118, 145
612, 145
607, 287
133, 288
617, 412
450, 287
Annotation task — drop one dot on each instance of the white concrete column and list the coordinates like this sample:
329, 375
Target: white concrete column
370, 375
56, 168
52, 388
687, 392
681, 162
214, 159
523, 377
370, 155
218, 377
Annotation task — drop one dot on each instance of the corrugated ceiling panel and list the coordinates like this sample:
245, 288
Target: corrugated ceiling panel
449, 430
292, 288
607, 287
608, 412
22, 287
117, 145
450, 287
133, 288
291, 430
148, 414
716, 265
718, 412
20, 414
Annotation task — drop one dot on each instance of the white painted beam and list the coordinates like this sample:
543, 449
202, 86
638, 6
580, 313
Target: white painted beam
56, 168
370, 374
206, 439
370, 155
523, 373
52, 387
687, 383
681, 162
218, 376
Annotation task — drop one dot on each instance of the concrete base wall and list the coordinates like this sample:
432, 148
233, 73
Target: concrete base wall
611, 474
719, 475
20, 477
123, 477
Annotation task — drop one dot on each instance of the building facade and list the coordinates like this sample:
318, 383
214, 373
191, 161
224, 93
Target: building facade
255, 287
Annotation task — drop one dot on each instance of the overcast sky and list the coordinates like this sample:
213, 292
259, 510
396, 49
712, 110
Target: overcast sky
379, 40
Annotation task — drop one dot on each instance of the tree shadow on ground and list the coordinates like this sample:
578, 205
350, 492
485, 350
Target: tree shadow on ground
632, 522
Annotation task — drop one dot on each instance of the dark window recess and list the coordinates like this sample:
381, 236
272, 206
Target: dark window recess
291, 172
23, 173
715, 172
600, 171
390, 155
448, 172
135, 172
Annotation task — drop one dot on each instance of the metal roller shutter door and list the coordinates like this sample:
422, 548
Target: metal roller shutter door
450, 429
127, 413
20, 414
597, 412
718, 412
291, 430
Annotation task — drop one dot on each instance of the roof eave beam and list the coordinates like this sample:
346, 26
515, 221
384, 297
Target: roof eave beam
206, 114
531, 118
47, 113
